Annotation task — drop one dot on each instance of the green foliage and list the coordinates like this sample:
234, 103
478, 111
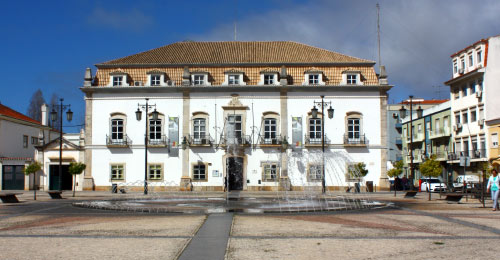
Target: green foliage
486, 168
397, 170
32, 168
358, 170
431, 167
76, 168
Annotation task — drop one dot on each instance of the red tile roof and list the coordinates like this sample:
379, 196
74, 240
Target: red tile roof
7, 111
426, 102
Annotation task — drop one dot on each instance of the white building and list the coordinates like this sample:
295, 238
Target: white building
474, 99
19, 135
235, 109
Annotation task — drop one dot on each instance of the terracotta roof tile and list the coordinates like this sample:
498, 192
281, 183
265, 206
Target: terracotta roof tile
278, 52
7, 111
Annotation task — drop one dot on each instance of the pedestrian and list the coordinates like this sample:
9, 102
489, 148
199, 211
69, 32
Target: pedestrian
405, 182
493, 186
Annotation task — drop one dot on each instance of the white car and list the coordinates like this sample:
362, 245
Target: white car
436, 185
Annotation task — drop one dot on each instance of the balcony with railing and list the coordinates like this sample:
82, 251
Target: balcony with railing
124, 141
440, 132
418, 137
200, 140
355, 141
162, 141
315, 140
243, 140
270, 141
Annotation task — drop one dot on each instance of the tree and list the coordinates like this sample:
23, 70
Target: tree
33, 168
357, 171
76, 169
34, 108
54, 100
431, 168
395, 172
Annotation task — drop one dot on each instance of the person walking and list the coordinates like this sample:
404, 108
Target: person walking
493, 186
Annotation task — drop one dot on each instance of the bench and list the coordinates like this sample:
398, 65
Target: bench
9, 197
453, 197
55, 194
410, 194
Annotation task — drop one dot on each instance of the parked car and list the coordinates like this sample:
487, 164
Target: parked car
470, 181
436, 185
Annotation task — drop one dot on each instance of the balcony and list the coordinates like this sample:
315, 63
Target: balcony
270, 141
243, 140
418, 137
441, 155
315, 140
123, 142
440, 132
200, 140
158, 142
351, 141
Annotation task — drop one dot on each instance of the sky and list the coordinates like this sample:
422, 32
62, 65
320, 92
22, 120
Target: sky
48, 44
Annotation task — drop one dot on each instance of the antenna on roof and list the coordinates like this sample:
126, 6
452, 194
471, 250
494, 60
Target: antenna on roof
378, 36
235, 17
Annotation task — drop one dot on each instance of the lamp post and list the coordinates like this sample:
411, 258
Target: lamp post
53, 117
402, 113
154, 116
314, 112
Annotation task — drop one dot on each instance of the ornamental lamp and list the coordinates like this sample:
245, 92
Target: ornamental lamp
330, 112
314, 112
138, 114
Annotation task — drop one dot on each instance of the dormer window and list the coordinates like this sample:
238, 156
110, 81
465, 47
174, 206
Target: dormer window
199, 78
269, 77
350, 77
313, 77
233, 79
155, 80
117, 80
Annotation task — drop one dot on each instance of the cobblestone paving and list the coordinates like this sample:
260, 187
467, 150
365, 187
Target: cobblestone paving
413, 229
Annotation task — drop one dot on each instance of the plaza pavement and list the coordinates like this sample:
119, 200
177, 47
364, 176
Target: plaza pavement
410, 229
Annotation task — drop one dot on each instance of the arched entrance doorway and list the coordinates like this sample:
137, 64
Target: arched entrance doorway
234, 171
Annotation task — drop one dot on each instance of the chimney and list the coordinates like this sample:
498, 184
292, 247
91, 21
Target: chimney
283, 76
186, 77
45, 114
88, 78
382, 78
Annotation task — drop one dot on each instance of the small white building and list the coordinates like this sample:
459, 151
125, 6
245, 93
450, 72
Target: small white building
235, 110
19, 136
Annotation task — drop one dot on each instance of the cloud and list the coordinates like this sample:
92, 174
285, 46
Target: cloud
417, 37
133, 20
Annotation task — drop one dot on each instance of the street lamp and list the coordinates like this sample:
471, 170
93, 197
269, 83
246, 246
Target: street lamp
53, 118
402, 113
314, 113
138, 116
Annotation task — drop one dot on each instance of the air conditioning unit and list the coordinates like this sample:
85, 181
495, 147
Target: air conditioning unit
479, 94
477, 153
480, 122
461, 70
480, 65
137, 83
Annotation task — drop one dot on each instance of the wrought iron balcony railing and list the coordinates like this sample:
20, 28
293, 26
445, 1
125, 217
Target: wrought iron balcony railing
236, 140
276, 140
315, 139
200, 139
162, 141
352, 140
116, 142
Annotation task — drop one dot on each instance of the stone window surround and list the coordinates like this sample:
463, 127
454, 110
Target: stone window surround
205, 75
309, 116
276, 81
123, 171
163, 81
118, 115
349, 178
309, 165
161, 117
206, 171
241, 75
118, 74
200, 115
355, 115
162, 169
271, 115
359, 82
320, 74
263, 165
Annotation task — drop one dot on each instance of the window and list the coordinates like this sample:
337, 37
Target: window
352, 79
464, 90
234, 128
154, 130
471, 59
313, 79
199, 80
353, 128
155, 172
473, 116
270, 172
199, 172
456, 93
446, 119
482, 142
34, 140
437, 126
155, 80
472, 87
457, 118
420, 128
479, 55
458, 146
117, 172
494, 140
462, 62
315, 130
480, 84
455, 66
269, 130
268, 79
233, 79
199, 129
465, 118
117, 80
116, 129
466, 148
315, 172
25, 141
